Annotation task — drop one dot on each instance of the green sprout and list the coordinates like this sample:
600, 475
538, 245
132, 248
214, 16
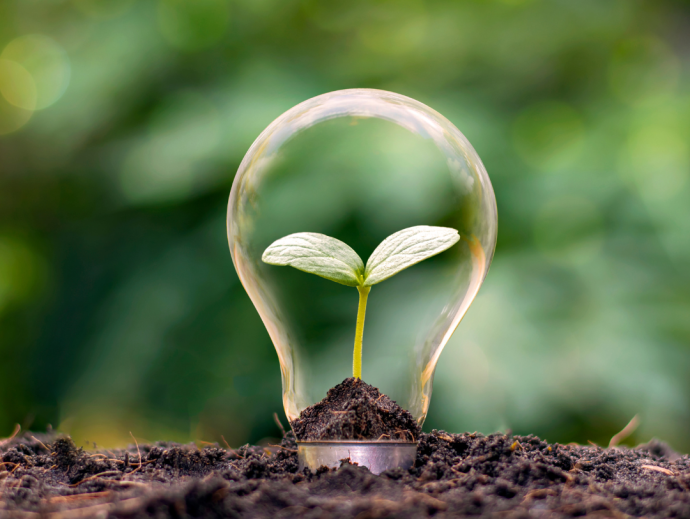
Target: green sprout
332, 259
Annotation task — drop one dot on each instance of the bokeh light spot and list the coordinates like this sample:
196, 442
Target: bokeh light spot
548, 135
169, 164
11, 117
569, 230
331, 17
193, 24
473, 366
394, 27
655, 161
103, 9
46, 63
515, 2
642, 68
16, 85
22, 272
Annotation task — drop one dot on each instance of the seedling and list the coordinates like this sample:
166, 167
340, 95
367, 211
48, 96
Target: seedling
332, 259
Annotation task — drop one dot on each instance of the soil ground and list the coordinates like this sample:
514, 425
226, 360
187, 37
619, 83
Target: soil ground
455, 475
355, 410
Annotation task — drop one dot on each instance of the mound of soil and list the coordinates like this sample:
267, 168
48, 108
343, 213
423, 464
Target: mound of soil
354, 410
454, 475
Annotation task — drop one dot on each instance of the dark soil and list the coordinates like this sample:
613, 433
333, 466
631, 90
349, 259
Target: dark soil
455, 475
354, 410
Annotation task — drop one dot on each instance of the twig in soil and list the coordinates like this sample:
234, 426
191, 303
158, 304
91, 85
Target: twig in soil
386, 435
405, 433
280, 425
106, 458
658, 469
130, 483
592, 443
138, 452
625, 432
539, 494
233, 451
137, 444
139, 465
8, 463
79, 497
106, 473
281, 447
17, 428
41, 443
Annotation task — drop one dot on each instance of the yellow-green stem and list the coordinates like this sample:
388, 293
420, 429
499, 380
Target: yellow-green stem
361, 311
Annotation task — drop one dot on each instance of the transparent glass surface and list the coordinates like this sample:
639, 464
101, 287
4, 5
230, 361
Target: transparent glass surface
359, 165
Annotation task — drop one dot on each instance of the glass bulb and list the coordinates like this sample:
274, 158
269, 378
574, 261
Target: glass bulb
359, 165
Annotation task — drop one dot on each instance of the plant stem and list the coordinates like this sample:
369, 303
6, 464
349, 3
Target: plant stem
361, 311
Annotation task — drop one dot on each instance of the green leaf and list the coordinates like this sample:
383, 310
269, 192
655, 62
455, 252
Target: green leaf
317, 254
406, 248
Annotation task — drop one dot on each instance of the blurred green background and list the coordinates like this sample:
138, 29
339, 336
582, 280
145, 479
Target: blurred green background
122, 123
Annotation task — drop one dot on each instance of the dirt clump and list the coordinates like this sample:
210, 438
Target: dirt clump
355, 410
455, 475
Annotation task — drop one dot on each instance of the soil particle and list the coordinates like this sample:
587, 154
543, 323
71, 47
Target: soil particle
455, 475
355, 410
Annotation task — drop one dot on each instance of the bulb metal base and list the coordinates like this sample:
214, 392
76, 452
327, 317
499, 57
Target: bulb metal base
377, 456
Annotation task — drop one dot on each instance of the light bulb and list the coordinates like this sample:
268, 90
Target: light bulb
359, 165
